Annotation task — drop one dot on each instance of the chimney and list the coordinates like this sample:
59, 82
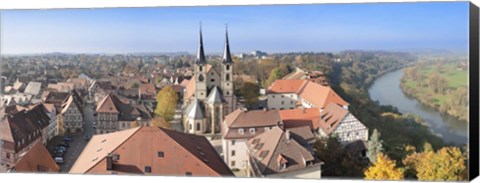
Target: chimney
287, 134
109, 162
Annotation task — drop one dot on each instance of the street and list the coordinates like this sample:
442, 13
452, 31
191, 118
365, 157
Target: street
79, 142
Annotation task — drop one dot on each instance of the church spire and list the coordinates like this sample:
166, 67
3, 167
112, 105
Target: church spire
200, 54
227, 58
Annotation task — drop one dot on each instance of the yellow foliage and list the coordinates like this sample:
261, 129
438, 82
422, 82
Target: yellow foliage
134, 124
447, 164
160, 122
384, 169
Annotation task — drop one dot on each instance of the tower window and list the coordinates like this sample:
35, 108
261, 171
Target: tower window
228, 67
227, 77
198, 126
200, 68
228, 93
212, 80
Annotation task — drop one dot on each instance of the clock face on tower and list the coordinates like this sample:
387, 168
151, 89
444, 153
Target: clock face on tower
200, 78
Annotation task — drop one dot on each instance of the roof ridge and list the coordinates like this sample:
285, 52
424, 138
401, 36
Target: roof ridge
274, 149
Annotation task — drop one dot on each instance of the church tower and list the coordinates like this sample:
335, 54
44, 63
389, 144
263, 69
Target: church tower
227, 77
200, 72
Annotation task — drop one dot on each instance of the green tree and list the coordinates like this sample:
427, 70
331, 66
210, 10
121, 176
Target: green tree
274, 75
166, 103
250, 92
374, 146
384, 169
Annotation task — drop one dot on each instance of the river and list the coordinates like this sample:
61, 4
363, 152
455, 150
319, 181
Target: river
386, 90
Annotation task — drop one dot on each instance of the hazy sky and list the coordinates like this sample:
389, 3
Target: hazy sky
280, 28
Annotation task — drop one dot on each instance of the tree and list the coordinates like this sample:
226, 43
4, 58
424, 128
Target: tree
160, 122
166, 103
274, 75
374, 146
250, 92
384, 169
447, 164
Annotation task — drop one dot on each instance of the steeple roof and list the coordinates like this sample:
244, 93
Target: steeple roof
194, 110
227, 58
215, 96
200, 54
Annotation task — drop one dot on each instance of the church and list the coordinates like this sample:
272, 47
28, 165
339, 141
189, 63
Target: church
209, 94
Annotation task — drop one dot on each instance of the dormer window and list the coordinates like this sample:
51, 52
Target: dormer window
252, 130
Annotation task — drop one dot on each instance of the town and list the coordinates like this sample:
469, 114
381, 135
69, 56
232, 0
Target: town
109, 124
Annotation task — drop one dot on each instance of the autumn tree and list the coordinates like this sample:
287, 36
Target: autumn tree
160, 122
274, 75
384, 169
447, 164
374, 146
166, 103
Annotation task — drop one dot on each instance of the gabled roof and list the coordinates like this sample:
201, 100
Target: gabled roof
320, 95
33, 88
195, 110
331, 116
215, 96
286, 86
252, 118
37, 159
300, 117
278, 148
108, 104
190, 88
167, 152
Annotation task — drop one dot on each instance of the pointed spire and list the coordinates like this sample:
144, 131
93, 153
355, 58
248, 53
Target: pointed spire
200, 54
227, 58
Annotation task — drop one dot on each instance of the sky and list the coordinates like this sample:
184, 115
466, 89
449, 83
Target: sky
273, 28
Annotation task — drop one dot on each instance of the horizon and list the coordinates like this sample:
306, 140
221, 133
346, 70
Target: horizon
303, 28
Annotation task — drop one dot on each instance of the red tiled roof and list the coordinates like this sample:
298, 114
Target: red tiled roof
180, 153
37, 159
107, 105
331, 116
286, 86
300, 117
320, 95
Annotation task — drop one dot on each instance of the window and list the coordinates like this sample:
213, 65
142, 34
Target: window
227, 77
116, 157
198, 126
8, 155
233, 153
291, 102
228, 93
160, 154
252, 130
228, 67
190, 126
233, 142
267, 128
200, 68
188, 173
232, 163
273, 96
148, 169
240, 131
283, 166
283, 96
282, 102
212, 80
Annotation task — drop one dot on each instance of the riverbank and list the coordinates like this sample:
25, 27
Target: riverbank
387, 92
444, 92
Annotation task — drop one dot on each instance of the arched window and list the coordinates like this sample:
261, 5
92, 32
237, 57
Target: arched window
228, 67
201, 78
227, 77
200, 68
